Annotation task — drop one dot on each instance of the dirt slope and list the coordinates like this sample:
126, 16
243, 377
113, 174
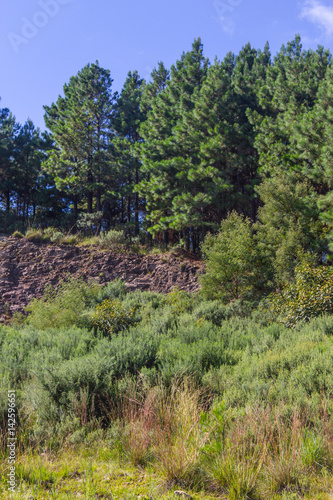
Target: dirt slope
27, 267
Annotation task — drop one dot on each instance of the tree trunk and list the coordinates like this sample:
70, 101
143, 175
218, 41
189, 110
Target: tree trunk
90, 194
165, 239
186, 240
90, 202
136, 215
98, 201
75, 207
129, 210
7, 194
136, 204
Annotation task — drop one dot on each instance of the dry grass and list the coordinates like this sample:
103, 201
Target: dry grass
162, 428
171, 433
258, 454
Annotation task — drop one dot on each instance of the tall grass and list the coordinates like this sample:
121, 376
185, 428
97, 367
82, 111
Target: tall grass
161, 427
255, 453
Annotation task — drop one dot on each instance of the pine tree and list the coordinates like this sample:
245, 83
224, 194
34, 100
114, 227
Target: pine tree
28, 156
128, 116
81, 125
162, 154
289, 92
8, 131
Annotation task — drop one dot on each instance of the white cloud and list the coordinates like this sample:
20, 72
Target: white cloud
319, 14
221, 9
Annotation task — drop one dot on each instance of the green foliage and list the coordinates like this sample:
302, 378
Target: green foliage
112, 317
51, 235
212, 311
112, 239
114, 290
231, 271
91, 222
80, 123
63, 306
35, 235
67, 374
128, 115
170, 184
309, 296
180, 301
170, 159
288, 225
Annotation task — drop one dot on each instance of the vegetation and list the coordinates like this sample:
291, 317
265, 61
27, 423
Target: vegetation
211, 398
226, 392
308, 296
170, 159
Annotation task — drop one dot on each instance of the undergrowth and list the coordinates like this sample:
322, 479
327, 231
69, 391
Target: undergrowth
196, 394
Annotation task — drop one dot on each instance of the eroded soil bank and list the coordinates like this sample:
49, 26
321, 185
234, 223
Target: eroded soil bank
26, 268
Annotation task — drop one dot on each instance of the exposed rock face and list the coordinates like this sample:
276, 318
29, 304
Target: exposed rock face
27, 267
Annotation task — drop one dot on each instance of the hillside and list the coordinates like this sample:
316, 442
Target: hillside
26, 268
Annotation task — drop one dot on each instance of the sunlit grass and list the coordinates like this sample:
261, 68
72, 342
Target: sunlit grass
87, 474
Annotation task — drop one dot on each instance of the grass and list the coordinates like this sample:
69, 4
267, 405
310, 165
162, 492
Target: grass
111, 240
258, 455
87, 473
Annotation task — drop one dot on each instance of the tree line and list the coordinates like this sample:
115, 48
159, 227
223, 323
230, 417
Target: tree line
173, 157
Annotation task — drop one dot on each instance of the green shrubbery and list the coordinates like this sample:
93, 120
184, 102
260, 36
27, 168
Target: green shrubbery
147, 366
230, 265
51, 235
64, 306
112, 238
17, 234
310, 295
112, 317
243, 360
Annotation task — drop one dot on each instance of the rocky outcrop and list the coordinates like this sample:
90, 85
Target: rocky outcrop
26, 268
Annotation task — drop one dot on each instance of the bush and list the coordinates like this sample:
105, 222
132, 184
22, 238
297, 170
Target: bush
231, 267
90, 222
112, 238
309, 296
63, 306
180, 301
114, 290
52, 234
212, 311
112, 317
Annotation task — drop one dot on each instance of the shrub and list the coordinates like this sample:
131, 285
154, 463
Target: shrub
212, 311
114, 290
310, 295
112, 317
70, 239
52, 234
57, 237
63, 306
90, 222
180, 301
231, 267
112, 238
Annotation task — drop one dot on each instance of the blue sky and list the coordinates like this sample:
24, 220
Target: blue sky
44, 42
